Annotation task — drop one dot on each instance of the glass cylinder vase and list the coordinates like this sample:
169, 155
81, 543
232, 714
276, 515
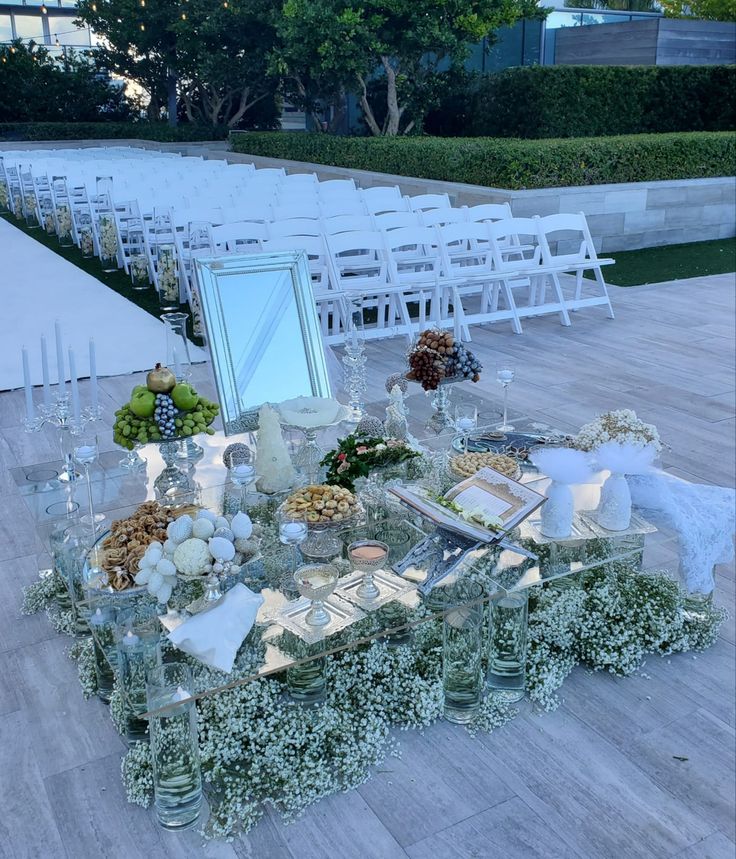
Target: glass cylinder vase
69, 547
462, 651
177, 778
507, 645
64, 225
307, 682
138, 652
102, 620
167, 278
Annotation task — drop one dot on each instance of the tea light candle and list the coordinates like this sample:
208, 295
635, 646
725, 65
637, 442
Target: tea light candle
85, 453
130, 639
243, 472
465, 424
180, 694
97, 618
292, 530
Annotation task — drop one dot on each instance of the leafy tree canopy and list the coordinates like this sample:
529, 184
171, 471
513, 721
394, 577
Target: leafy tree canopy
708, 10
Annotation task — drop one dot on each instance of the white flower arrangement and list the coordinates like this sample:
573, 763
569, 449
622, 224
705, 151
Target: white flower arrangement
4, 195
108, 238
168, 281
30, 204
621, 425
64, 220
139, 269
48, 223
87, 242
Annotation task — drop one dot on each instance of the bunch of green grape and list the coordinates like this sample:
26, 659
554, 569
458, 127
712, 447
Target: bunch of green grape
197, 419
129, 428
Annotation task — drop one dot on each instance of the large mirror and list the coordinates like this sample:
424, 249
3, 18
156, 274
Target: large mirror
263, 332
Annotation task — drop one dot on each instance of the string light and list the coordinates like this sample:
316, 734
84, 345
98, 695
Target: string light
94, 7
183, 16
143, 27
44, 10
143, 3
225, 4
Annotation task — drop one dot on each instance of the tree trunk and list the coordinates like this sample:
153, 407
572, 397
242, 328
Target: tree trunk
370, 119
393, 113
171, 97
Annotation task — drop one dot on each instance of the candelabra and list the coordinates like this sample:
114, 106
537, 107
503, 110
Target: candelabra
59, 414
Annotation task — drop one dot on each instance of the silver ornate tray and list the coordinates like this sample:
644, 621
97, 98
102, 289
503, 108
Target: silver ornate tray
390, 587
342, 614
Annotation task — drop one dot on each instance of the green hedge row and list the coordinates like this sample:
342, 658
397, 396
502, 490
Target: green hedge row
588, 101
512, 164
108, 131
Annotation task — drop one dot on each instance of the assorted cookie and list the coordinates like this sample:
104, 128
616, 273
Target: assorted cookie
321, 504
467, 464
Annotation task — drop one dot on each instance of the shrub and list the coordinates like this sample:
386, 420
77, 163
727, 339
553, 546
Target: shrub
108, 130
512, 164
586, 101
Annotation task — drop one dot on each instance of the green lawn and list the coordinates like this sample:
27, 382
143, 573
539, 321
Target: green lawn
118, 281
673, 262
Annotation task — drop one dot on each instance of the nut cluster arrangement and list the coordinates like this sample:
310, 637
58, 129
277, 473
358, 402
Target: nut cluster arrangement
128, 540
437, 356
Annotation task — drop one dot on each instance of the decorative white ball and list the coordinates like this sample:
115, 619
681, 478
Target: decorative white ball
203, 529
180, 529
222, 522
169, 547
154, 552
166, 567
241, 526
225, 533
221, 549
192, 556
217, 568
207, 514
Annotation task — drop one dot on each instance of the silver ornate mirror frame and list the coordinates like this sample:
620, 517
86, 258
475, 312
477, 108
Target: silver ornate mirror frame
232, 309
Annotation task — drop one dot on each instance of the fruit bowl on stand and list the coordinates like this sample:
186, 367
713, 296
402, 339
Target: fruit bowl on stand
167, 413
437, 361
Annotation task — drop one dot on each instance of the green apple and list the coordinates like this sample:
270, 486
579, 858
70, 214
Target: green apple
143, 403
184, 396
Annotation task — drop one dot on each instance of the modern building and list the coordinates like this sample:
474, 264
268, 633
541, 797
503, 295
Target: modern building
49, 23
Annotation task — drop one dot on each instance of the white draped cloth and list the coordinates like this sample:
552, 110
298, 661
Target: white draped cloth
703, 516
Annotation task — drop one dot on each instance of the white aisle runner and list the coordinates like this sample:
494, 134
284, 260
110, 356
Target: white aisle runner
38, 287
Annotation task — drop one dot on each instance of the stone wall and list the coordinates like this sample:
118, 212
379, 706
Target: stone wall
621, 217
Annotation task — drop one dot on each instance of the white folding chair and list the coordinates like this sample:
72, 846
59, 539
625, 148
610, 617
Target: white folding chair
293, 227
396, 220
241, 237
468, 265
359, 268
347, 224
567, 248
488, 212
440, 217
424, 202
524, 271
384, 198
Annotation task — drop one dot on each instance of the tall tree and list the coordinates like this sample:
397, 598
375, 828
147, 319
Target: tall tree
400, 42
223, 53
708, 10
214, 51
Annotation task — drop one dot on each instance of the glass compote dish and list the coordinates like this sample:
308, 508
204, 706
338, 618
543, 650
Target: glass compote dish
310, 415
368, 556
316, 582
173, 481
242, 475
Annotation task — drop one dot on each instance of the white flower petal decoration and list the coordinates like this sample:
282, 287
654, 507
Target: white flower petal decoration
143, 575
241, 526
154, 553
625, 458
563, 464
221, 549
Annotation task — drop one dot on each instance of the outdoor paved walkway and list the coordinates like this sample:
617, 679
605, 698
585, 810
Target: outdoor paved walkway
598, 779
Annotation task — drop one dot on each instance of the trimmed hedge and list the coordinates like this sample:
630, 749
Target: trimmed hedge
588, 101
512, 164
108, 131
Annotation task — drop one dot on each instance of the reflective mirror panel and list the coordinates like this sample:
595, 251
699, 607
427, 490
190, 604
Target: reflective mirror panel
262, 331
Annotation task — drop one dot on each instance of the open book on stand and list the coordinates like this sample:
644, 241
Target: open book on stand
483, 507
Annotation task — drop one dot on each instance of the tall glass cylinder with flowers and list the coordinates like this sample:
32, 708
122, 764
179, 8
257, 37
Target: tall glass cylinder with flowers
462, 650
108, 243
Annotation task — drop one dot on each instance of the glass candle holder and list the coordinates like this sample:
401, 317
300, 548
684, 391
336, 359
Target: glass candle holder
462, 651
507, 646
138, 649
102, 620
69, 547
398, 536
307, 682
177, 777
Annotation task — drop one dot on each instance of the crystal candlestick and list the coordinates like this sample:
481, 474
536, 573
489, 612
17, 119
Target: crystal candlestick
58, 414
354, 361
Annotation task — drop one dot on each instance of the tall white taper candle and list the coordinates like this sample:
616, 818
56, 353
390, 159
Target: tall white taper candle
93, 373
61, 372
75, 385
45, 371
30, 413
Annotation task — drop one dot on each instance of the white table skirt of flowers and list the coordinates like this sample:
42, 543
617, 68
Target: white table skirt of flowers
237, 621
